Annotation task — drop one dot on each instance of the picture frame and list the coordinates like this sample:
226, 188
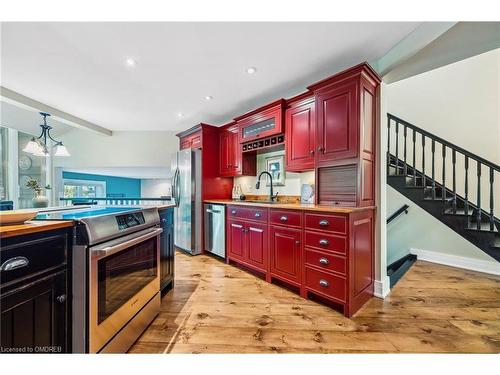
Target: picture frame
275, 165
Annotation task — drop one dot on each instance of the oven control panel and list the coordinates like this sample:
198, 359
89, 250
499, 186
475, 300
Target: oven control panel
129, 220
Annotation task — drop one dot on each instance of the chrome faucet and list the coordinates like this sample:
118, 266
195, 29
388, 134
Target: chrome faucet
272, 197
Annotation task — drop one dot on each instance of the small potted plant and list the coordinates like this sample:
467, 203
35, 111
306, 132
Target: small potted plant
39, 200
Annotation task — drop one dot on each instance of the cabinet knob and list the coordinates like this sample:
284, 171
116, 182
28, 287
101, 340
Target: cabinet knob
311, 152
323, 283
320, 149
257, 214
324, 261
323, 223
297, 242
61, 298
284, 218
233, 212
323, 242
163, 221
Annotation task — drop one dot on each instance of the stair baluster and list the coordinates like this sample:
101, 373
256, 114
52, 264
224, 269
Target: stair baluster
414, 162
478, 213
388, 144
466, 203
443, 188
397, 147
433, 177
405, 167
454, 161
423, 161
492, 199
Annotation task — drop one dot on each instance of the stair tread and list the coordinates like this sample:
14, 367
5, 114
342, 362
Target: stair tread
485, 227
459, 211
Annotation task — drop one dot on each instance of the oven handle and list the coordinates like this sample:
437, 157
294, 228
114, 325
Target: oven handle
110, 250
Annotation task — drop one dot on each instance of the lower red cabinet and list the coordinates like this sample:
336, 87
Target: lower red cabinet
323, 254
248, 244
286, 254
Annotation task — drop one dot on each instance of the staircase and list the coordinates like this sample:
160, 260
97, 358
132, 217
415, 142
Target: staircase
452, 184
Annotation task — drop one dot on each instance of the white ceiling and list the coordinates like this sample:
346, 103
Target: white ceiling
80, 68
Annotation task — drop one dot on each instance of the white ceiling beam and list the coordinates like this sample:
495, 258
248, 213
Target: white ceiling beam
410, 45
20, 100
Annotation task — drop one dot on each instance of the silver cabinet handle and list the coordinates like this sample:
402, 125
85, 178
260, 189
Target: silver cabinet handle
212, 211
257, 214
284, 218
61, 298
323, 242
233, 212
324, 261
14, 263
323, 223
323, 283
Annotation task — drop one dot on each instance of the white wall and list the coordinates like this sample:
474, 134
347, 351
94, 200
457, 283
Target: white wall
293, 181
153, 188
122, 149
420, 230
459, 102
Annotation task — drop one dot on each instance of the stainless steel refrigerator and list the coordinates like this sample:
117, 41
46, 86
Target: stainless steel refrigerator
186, 192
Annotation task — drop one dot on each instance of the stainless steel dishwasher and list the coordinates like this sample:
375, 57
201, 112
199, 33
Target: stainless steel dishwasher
215, 229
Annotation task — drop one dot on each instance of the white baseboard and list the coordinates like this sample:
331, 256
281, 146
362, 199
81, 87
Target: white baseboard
382, 288
458, 261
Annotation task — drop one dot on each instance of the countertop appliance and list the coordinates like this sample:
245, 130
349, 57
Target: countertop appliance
186, 192
215, 229
116, 277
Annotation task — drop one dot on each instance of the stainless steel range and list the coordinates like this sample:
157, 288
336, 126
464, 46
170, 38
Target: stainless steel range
116, 279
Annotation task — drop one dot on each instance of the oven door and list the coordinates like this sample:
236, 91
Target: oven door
124, 276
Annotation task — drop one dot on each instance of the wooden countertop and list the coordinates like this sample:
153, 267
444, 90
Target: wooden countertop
32, 227
293, 206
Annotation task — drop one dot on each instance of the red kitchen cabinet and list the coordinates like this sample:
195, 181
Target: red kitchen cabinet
346, 122
257, 247
191, 140
236, 248
232, 161
286, 254
262, 122
248, 237
337, 123
300, 140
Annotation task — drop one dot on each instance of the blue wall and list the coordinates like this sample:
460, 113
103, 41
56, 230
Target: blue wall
131, 187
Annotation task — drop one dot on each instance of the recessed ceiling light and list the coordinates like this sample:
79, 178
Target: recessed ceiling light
180, 115
130, 62
251, 70
209, 97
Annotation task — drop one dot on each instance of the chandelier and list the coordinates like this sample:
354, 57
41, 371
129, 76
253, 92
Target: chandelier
38, 146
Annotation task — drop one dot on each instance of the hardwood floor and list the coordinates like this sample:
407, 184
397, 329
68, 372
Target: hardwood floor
216, 308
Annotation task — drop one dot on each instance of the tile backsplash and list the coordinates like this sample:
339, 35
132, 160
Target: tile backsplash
293, 181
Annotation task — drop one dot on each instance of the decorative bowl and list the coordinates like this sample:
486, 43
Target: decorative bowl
16, 216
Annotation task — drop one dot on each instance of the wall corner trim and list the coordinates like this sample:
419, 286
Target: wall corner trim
382, 288
489, 267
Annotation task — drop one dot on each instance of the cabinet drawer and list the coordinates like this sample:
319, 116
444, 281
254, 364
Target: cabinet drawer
327, 242
326, 283
285, 217
326, 261
248, 213
327, 222
31, 257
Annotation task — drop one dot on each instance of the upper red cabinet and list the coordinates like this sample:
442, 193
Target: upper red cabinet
232, 162
191, 140
337, 122
263, 122
300, 131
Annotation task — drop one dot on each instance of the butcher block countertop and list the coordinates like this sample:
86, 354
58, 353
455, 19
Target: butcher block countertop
292, 206
32, 227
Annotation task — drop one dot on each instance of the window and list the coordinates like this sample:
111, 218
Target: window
84, 189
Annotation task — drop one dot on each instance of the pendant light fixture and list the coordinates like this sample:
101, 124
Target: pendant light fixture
38, 146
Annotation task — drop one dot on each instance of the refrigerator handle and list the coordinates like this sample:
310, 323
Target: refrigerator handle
177, 191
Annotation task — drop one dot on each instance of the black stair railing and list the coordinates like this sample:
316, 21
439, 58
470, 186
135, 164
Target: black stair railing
445, 164
398, 212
